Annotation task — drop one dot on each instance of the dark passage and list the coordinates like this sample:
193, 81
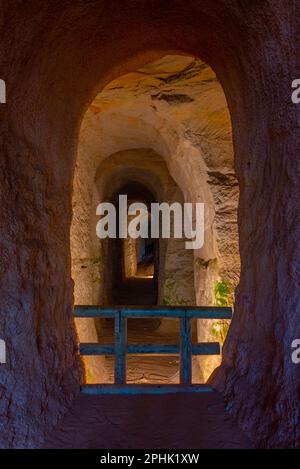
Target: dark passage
135, 291
134, 262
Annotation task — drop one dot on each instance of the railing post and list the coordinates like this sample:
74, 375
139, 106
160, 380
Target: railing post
120, 348
185, 351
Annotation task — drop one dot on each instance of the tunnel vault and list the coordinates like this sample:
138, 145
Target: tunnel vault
56, 57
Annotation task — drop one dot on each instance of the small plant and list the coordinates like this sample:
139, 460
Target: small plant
223, 297
219, 330
222, 293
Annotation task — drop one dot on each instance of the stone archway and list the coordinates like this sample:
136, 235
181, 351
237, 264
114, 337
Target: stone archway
177, 107
68, 52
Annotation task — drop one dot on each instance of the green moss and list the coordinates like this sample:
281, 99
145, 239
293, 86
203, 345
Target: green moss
96, 260
222, 293
223, 297
170, 297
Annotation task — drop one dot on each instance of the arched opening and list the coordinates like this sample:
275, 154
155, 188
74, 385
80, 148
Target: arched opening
162, 133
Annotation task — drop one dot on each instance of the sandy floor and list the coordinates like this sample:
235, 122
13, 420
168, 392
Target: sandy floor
146, 369
151, 421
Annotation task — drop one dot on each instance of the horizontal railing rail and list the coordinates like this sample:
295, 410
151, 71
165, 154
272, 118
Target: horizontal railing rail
185, 349
199, 312
205, 348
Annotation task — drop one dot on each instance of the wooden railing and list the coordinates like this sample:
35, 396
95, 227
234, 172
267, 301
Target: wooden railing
186, 349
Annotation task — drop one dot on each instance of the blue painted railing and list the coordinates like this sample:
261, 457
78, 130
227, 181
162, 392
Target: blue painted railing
186, 349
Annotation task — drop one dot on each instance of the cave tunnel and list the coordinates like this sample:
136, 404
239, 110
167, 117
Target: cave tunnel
134, 261
102, 99
114, 158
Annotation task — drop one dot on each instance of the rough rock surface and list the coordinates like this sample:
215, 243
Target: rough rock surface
56, 56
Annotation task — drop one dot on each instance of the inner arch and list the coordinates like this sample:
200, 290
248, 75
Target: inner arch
167, 124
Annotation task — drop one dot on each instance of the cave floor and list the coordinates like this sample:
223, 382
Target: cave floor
170, 421
146, 421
